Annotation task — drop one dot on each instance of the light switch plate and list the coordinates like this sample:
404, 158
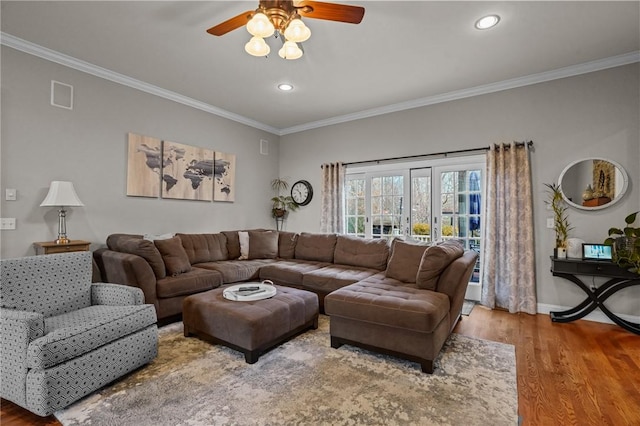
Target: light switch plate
550, 223
8, 223
10, 194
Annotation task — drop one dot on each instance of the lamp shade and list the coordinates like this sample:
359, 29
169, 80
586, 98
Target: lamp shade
61, 194
290, 50
257, 47
297, 31
260, 26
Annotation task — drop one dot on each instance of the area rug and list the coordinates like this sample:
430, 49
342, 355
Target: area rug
306, 382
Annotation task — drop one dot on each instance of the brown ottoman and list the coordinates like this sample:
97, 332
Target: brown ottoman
250, 327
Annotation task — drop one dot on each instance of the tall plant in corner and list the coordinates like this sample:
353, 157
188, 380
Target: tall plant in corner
626, 246
560, 217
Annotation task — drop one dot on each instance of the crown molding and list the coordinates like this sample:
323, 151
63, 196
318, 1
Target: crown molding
574, 70
80, 65
89, 68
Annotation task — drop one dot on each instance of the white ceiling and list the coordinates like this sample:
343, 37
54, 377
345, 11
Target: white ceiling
403, 54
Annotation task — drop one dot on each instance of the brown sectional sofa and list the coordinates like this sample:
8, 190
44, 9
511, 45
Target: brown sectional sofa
397, 292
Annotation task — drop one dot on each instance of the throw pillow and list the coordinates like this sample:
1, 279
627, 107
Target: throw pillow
175, 257
435, 260
243, 236
287, 244
143, 248
316, 247
263, 244
153, 237
366, 253
405, 260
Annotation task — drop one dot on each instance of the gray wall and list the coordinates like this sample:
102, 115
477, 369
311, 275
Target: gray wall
590, 115
594, 114
88, 146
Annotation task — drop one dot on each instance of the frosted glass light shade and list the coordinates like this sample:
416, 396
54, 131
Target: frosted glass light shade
290, 50
297, 31
260, 26
257, 47
61, 194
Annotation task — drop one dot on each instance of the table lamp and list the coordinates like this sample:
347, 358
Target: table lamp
61, 194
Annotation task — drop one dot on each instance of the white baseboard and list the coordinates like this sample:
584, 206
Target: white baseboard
597, 315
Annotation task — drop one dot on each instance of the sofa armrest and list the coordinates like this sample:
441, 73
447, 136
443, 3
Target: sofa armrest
115, 295
454, 281
130, 270
18, 329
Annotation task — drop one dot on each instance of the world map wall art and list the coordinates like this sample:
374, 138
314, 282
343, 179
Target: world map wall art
178, 171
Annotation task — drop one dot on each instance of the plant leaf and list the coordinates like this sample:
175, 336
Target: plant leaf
631, 218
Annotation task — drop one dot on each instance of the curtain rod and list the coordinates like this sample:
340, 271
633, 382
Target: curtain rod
408, 157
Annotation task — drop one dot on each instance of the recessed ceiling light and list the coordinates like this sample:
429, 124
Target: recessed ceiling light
285, 87
487, 22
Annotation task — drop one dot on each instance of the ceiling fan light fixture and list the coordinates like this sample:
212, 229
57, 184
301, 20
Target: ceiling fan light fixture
297, 31
290, 50
257, 47
487, 22
260, 26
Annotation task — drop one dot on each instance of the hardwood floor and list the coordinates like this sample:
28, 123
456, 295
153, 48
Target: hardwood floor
581, 373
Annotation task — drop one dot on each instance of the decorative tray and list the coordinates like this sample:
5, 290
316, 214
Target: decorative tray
251, 291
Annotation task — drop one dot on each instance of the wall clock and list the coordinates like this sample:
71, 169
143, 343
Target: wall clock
301, 192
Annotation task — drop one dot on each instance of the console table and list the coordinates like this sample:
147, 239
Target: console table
619, 278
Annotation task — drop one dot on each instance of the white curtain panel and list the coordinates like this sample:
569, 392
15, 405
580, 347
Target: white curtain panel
332, 197
509, 280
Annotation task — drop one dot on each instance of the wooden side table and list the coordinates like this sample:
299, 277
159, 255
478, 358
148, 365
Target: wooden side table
50, 247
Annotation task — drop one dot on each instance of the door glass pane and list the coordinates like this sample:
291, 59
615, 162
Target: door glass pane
461, 209
386, 205
355, 206
421, 208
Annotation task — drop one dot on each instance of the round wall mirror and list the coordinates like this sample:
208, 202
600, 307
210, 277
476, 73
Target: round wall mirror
593, 183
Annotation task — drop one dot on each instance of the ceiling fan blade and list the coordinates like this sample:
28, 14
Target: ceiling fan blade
330, 11
231, 24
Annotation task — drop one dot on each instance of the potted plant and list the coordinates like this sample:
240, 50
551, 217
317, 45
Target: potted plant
281, 203
626, 246
560, 219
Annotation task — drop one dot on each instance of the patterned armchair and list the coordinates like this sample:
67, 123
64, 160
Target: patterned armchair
64, 337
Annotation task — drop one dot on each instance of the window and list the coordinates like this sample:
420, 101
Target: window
355, 211
430, 200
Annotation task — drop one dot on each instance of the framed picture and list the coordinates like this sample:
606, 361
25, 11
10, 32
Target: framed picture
187, 172
144, 163
224, 186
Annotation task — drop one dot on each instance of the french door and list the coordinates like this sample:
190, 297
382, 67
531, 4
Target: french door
426, 201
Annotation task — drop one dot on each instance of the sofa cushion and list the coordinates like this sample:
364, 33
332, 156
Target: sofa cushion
434, 260
287, 244
334, 277
75, 333
243, 238
135, 244
289, 272
233, 271
356, 251
405, 260
233, 244
174, 256
315, 247
205, 247
195, 281
263, 244
401, 306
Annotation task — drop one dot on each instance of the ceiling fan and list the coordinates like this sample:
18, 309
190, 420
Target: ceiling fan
285, 18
